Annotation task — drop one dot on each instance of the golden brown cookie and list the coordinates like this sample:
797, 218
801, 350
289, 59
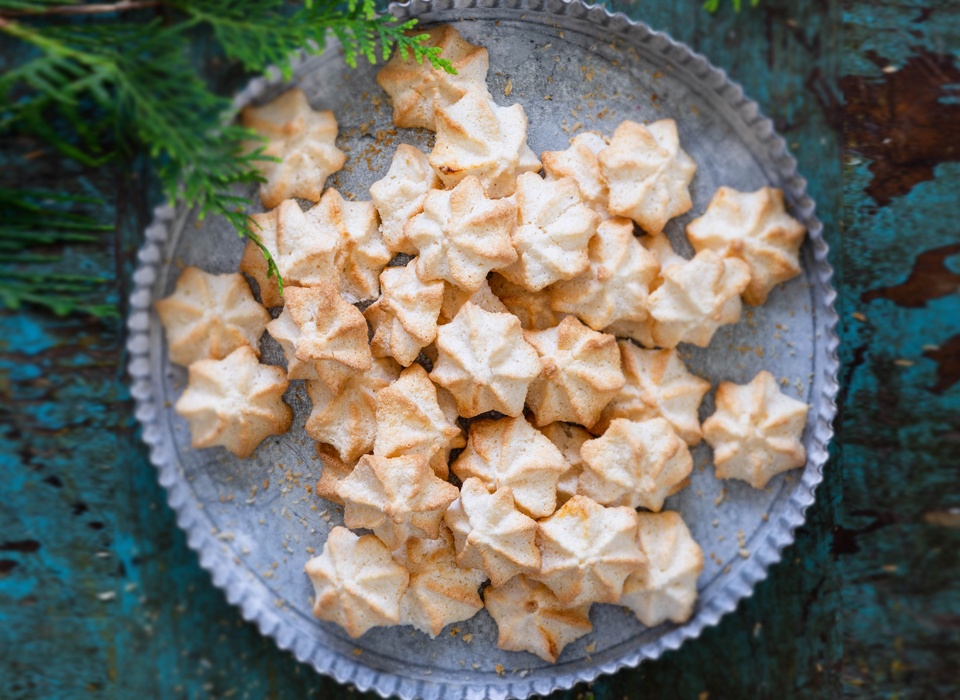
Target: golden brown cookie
511, 452
553, 229
756, 431
417, 89
478, 138
356, 582
753, 227
404, 318
491, 534
581, 373
666, 588
322, 336
235, 402
484, 362
440, 592
588, 551
415, 417
399, 195
397, 497
658, 384
210, 316
648, 174
346, 419
530, 618
303, 140
614, 289
462, 235
636, 464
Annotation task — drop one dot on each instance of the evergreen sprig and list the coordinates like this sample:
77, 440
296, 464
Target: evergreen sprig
38, 218
101, 89
714, 5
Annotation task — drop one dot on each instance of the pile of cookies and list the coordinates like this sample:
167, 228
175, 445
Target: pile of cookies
509, 412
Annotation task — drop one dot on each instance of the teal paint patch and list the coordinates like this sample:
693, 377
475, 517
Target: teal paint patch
25, 334
19, 371
173, 634
899, 446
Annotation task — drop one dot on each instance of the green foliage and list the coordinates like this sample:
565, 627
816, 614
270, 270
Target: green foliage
100, 90
36, 218
714, 5
269, 39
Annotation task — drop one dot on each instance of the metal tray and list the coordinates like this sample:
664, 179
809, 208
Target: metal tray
569, 64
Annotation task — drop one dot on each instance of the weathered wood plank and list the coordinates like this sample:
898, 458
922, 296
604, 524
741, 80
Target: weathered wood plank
898, 539
80, 486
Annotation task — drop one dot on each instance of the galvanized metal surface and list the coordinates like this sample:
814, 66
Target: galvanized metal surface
586, 62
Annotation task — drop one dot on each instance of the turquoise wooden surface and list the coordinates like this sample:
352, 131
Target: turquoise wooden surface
100, 596
897, 538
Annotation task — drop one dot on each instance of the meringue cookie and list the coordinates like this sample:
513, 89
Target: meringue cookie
552, 232
581, 373
414, 417
616, 285
666, 588
648, 174
302, 139
696, 298
404, 318
235, 402
462, 235
304, 252
581, 163
346, 419
663, 251
476, 137
322, 336
642, 331
399, 195
396, 497
532, 308
588, 551
568, 439
491, 534
657, 385
356, 582
390, 339
485, 362
454, 298
511, 452
210, 316
361, 253
530, 618
753, 227
636, 464
440, 592
417, 89
756, 431
333, 471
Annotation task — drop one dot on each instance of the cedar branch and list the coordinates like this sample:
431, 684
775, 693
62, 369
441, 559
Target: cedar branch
103, 8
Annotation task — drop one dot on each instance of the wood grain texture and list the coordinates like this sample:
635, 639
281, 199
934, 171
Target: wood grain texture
898, 538
100, 596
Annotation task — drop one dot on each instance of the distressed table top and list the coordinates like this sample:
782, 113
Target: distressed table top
100, 596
